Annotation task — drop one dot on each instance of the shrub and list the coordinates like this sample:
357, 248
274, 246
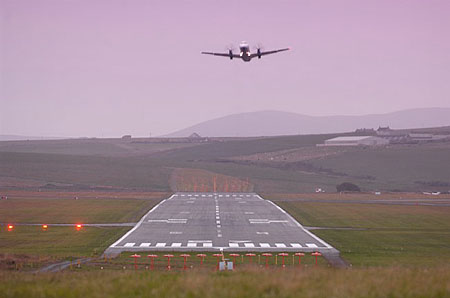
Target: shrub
347, 186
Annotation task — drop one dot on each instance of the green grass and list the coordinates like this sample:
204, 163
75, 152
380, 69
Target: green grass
393, 235
36, 207
99, 147
307, 282
423, 248
59, 241
395, 167
68, 210
407, 168
139, 173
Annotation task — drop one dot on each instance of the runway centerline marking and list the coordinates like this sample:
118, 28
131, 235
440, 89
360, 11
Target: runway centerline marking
281, 232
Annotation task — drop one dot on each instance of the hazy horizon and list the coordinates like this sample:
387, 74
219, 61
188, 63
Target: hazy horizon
109, 68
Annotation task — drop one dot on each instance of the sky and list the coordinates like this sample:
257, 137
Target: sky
106, 68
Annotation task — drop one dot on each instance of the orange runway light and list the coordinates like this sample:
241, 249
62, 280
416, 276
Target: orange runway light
44, 227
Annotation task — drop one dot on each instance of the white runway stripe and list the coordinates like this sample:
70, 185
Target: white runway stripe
249, 245
207, 244
231, 244
311, 245
160, 244
176, 244
296, 245
145, 244
265, 245
129, 244
191, 244
280, 245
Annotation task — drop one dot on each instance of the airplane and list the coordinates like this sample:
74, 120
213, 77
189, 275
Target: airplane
245, 54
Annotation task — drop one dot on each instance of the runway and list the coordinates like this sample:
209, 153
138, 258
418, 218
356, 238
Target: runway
218, 221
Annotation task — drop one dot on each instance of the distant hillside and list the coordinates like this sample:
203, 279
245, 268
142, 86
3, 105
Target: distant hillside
24, 138
272, 123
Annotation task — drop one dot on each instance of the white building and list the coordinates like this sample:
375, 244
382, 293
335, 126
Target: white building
356, 141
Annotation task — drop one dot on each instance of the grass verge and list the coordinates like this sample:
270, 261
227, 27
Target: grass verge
311, 282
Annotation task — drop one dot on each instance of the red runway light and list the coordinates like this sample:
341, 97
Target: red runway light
78, 226
10, 228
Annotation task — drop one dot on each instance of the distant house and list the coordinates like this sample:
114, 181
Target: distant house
388, 132
356, 141
365, 130
195, 136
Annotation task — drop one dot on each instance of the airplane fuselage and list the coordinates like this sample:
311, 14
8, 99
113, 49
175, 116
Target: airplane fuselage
245, 52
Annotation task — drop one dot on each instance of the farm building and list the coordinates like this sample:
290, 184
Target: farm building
356, 141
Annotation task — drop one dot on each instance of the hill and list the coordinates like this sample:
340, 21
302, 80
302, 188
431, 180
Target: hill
272, 123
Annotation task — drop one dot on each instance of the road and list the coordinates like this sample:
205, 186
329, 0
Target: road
218, 221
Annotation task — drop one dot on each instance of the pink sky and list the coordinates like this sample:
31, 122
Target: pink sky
108, 68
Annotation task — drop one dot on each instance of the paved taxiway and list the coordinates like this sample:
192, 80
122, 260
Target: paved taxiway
218, 221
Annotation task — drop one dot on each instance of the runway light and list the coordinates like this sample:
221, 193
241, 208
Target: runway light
10, 228
283, 254
78, 226
152, 258
168, 260
251, 255
185, 256
135, 256
267, 255
202, 257
44, 227
316, 254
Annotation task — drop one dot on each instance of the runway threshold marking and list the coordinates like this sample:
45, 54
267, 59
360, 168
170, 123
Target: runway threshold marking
280, 245
238, 244
311, 245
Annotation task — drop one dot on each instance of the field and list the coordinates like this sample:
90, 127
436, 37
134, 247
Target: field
287, 164
59, 207
379, 235
394, 250
307, 282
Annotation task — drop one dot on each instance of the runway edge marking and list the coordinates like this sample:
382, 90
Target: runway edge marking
140, 222
298, 224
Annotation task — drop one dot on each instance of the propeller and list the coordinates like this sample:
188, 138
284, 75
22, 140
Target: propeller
230, 49
259, 48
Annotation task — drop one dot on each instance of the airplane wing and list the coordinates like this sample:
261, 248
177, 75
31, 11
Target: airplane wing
221, 54
269, 52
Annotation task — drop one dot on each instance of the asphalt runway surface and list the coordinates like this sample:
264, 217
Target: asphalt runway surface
218, 221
